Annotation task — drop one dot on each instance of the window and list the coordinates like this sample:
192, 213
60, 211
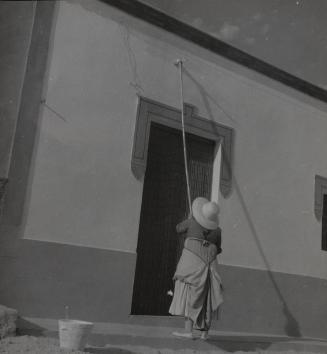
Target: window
320, 206
324, 224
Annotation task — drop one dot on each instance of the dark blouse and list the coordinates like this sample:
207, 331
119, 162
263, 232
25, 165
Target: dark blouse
193, 229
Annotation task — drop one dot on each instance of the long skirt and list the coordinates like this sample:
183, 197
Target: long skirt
198, 290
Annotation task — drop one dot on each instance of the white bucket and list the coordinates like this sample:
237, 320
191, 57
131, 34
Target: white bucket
73, 334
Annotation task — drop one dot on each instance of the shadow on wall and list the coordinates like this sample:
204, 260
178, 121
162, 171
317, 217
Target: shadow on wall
3, 183
26, 135
27, 328
291, 327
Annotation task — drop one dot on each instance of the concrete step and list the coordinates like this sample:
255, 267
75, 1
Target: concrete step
133, 338
8, 321
217, 343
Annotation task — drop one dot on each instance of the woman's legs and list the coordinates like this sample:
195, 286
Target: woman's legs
188, 333
204, 335
188, 325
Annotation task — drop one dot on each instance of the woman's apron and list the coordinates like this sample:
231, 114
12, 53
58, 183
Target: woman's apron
198, 289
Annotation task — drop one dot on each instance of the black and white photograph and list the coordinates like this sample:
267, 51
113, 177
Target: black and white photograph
163, 176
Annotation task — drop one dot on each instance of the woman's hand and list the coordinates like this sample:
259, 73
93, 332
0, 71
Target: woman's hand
205, 243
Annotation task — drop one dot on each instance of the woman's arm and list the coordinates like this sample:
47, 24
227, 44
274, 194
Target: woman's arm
218, 243
215, 238
183, 226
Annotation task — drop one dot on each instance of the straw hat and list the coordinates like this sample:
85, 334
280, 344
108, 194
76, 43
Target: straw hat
206, 213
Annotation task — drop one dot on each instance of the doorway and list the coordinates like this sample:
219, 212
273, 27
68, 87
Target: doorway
164, 204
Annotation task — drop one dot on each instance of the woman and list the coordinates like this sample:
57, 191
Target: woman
198, 291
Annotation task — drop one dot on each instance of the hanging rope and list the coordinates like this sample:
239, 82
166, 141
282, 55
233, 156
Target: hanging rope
179, 63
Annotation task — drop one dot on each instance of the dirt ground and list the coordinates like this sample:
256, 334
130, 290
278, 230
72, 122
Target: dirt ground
32, 345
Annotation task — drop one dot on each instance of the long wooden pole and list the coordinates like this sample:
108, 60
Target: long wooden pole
180, 65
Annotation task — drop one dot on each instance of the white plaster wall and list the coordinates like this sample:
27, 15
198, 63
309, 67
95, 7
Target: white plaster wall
83, 191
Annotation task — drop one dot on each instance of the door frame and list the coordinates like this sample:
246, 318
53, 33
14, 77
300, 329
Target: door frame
151, 111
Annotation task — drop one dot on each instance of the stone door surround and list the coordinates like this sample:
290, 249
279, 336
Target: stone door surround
151, 111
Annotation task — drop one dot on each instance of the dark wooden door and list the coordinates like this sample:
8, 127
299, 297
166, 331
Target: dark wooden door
164, 204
